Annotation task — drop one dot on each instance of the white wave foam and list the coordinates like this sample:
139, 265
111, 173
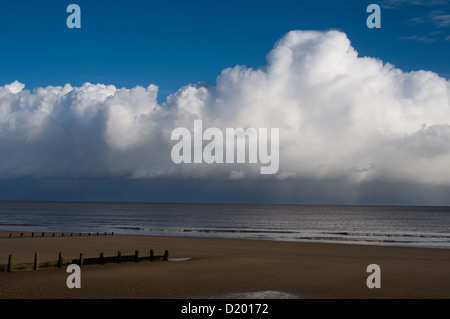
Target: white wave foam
265, 294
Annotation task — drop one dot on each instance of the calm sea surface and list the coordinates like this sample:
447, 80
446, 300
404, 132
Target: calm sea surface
405, 226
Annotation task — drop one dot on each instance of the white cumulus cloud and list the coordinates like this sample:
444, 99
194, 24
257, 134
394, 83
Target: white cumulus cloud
340, 115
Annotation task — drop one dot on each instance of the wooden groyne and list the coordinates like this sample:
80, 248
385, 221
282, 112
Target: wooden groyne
56, 234
81, 261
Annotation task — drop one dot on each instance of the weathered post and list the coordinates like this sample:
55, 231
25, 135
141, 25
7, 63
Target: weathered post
102, 257
60, 260
119, 257
166, 255
136, 256
36, 261
32, 234
151, 254
81, 260
10, 263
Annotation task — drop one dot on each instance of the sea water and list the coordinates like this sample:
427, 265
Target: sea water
374, 225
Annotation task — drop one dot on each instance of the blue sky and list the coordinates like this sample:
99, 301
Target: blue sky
384, 132
175, 43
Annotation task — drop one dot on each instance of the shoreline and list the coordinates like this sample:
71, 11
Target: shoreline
225, 268
376, 243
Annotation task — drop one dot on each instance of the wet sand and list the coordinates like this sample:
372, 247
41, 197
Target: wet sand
223, 268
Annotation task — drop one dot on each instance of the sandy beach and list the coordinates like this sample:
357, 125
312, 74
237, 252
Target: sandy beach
223, 268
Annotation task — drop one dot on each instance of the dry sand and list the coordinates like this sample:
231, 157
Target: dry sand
224, 268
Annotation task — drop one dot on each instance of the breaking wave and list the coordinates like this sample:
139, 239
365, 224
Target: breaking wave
409, 239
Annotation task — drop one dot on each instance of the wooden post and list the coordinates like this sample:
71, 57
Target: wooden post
21, 235
151, 254
32, 234
101, 258
10, 263
43, 234
136, 256
36, 261
62, 235
119, 257
166, 255
10, 235
60, 260
81, 260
